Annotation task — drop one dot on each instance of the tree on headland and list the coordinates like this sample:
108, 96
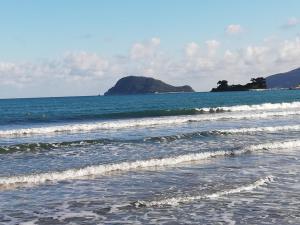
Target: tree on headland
256, 83
259, 83
222, 83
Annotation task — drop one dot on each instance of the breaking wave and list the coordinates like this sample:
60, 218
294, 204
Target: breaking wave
43, 117
120, 124
12, 181
185, 199
28, 147
223, 132
264, 106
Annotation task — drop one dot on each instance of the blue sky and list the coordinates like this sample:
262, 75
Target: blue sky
92, 43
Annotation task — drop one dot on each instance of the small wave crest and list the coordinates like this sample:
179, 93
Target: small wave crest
222, 132
30, 147
135, 165
121, 124
207, 110
185, 199
39, 146
32, 118
264, 106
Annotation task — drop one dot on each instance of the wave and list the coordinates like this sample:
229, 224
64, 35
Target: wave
195, 111
42, 117
121, 124
6, 182
205, 110
264, 106
40, 146
152, 113
185, 199
222, 132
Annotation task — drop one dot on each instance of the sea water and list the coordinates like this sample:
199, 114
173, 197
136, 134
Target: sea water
189, 158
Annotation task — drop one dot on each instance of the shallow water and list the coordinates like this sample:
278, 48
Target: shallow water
196, 158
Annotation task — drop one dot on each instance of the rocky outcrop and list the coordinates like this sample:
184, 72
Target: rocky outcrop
143, 85
256, 83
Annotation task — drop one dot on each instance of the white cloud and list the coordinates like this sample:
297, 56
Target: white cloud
192, 49
291, 22
84, 64
255, 54
146, 49
234, 29
61, 75
212, 46
230, 57
155, 41
289, 50
200, 65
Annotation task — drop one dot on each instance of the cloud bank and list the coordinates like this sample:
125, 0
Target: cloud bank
200, 65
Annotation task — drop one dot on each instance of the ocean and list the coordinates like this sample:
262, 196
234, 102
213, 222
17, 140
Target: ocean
188, 158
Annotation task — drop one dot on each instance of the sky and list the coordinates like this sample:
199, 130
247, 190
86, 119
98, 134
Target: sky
82, 47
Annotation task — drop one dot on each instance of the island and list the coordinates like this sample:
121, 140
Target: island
130, 85
256, 84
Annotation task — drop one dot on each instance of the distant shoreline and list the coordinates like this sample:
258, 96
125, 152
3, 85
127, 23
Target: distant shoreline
102, 95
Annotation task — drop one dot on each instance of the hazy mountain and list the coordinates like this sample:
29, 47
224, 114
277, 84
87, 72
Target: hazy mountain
284, 80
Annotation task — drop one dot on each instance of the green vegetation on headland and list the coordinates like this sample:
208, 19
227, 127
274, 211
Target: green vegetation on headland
256, 83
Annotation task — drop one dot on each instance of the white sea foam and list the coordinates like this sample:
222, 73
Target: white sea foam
119, 124
49, 146
184, 199
224, 132
262, 129
5, 182
275, 145
102, 169
264, 106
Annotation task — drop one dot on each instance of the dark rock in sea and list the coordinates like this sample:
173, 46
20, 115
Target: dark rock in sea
289, 79
143, 85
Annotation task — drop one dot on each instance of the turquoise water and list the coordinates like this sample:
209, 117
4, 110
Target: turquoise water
94, 108
189, 158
